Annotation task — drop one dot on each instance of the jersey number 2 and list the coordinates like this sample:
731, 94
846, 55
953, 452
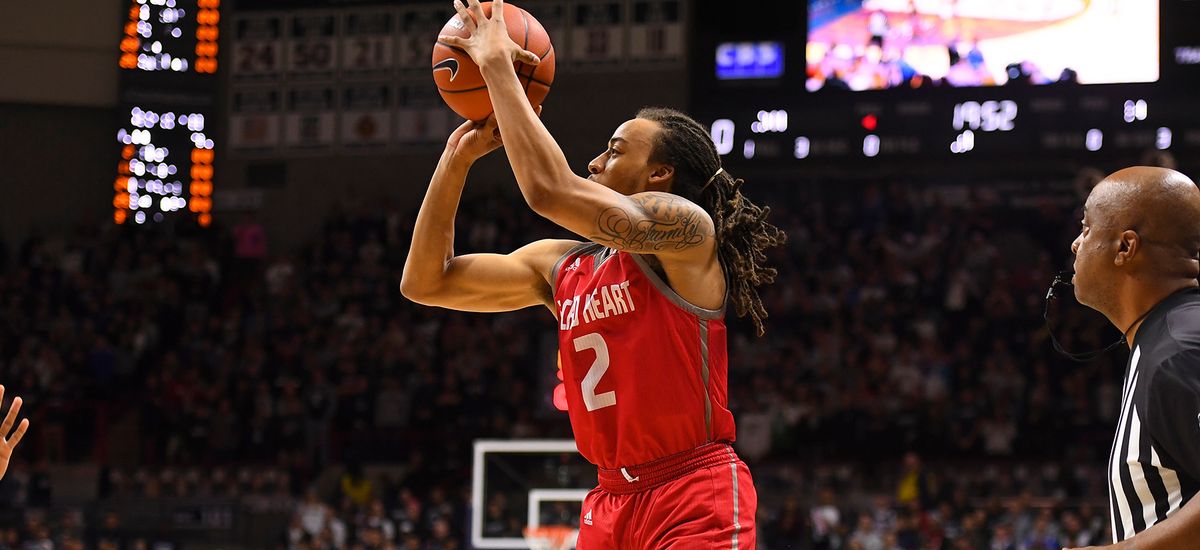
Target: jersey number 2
592, 401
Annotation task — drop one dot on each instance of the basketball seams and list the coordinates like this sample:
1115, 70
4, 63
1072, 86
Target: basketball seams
544, 57
525, 21
455, 48
476, 89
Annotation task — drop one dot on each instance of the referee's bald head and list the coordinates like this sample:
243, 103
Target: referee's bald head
1160, 205
1141, 230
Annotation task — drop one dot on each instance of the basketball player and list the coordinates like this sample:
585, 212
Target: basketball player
1137, 259
639, 306
9, 444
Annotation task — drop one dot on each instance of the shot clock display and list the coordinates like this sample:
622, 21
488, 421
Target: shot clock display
166, 165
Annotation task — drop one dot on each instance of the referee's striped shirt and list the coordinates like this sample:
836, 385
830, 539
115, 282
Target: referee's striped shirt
1154, 466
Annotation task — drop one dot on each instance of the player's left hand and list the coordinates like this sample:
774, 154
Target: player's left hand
489, 41
9, 444
474, 140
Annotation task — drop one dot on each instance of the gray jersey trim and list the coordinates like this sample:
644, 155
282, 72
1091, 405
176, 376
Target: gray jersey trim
559, 262
704, 376
673, 296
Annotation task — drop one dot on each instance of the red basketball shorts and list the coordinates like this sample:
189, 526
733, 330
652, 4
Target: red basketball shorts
703, 500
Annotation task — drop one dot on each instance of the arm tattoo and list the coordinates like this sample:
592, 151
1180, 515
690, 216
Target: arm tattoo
669, 222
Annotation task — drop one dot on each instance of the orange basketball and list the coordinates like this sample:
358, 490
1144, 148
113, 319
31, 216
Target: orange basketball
459, 80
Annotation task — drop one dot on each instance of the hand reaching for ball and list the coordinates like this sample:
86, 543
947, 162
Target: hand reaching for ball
472, 140
489, 41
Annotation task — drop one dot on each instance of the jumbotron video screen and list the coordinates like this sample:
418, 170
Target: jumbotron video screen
880, 44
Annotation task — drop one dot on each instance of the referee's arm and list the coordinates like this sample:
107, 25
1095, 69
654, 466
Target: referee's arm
1173, 417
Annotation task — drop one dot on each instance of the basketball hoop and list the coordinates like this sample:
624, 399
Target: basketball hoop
551, 537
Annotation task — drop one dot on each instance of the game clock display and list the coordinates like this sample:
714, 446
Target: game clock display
1089, 121
178, 36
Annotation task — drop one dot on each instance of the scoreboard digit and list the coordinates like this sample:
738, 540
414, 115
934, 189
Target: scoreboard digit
419, 27
367, 44
259, 48
312, 45
165, 166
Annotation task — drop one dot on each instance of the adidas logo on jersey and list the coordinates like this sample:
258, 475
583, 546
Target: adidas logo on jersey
587, 518
574, 265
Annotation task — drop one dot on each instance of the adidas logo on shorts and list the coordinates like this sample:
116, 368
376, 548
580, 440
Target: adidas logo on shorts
587, 518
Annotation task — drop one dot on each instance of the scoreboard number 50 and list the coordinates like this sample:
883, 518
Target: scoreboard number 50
599, 366
312, 55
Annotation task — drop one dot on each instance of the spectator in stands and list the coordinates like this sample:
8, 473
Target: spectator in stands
355, 485
866, 536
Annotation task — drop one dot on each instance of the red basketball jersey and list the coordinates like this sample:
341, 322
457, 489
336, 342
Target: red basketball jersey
645, 372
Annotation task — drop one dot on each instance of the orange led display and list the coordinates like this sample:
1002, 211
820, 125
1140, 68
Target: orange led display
154, 38
206, 36
202, 156
166, 165
201, 188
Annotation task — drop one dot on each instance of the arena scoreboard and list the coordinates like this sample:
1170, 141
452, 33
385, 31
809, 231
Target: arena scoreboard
874, 81
178, 36
351, 77
166, 165
168, 63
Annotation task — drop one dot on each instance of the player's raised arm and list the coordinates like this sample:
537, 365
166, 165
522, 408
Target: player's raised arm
434, 276
651, 223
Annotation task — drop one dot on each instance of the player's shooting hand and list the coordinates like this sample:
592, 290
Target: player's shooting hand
489, 41
9, 444
472, 140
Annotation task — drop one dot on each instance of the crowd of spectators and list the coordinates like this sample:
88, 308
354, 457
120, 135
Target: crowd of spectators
906, 317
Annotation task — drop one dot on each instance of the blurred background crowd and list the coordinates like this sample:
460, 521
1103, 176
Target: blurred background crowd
210, 367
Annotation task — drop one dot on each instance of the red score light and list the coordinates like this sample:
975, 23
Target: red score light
870, 122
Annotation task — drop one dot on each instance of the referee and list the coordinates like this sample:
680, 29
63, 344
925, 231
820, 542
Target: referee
1137, 259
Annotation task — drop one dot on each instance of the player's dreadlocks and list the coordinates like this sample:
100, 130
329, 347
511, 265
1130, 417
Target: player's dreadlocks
743, 233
